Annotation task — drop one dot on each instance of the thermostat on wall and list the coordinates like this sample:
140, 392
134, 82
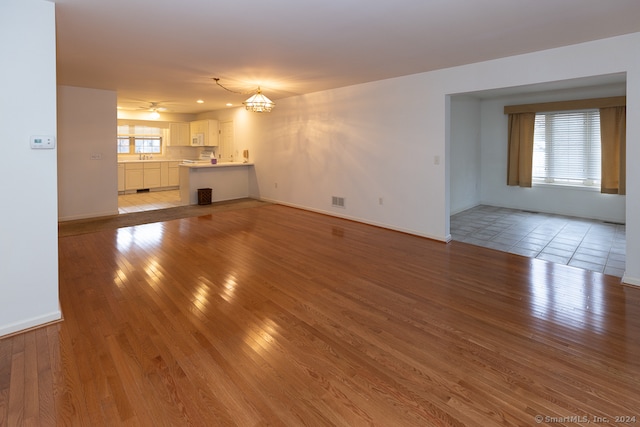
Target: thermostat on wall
43, 141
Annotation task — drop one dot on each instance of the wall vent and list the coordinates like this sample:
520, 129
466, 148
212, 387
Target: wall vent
337, 202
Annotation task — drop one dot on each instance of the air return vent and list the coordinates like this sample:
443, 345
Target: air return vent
337, 202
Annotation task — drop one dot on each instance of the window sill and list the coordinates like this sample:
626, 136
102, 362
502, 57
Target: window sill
565, 187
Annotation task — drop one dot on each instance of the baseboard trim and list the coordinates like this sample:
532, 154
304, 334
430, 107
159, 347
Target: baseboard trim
29, 324
632, 281
445, 239
87, 216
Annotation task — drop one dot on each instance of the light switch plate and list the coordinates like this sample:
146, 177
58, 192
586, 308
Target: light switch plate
43, 141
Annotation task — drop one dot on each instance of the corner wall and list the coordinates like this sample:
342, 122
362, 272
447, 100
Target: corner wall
87, 157
28, 216
465, 153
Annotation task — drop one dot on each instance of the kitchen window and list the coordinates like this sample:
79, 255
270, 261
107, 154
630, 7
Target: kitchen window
566, 148
136, 139
140, 145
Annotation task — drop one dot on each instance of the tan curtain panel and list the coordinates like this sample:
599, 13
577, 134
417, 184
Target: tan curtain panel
613, 129
519, 168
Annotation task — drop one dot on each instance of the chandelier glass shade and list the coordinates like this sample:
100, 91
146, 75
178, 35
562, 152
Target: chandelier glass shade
258, 103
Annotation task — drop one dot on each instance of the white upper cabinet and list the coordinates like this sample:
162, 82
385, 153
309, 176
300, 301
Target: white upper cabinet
179, 134
204, 133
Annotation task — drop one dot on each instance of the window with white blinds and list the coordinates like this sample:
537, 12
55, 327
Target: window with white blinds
139, 139
567, 148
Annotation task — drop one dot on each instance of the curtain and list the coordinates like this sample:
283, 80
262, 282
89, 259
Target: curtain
613, 125
519, 168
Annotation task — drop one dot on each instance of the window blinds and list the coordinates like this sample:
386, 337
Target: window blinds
567, 148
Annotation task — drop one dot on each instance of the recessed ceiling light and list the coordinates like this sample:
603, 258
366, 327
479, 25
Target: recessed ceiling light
229, 104
200, 101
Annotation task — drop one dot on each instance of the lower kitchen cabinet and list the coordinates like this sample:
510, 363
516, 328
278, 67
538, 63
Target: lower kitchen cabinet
133, 176
120, 177
173, 174
151, 176
164, 174
148, 175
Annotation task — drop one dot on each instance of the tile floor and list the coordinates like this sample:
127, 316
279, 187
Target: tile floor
583, 243
152, 200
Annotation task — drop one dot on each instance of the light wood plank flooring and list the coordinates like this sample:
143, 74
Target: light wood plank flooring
278, 316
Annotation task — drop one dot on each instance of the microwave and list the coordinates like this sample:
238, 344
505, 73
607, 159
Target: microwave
197, 139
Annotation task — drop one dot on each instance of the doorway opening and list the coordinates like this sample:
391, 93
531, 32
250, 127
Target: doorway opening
577, 227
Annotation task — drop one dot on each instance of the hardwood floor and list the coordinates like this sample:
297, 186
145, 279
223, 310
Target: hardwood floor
278, 316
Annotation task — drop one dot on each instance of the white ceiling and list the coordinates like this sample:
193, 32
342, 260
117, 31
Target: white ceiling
168, 51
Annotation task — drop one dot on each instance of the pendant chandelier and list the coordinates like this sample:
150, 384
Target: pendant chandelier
258, 103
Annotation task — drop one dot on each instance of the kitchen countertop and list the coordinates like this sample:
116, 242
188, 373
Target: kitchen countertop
149, 160
202, 165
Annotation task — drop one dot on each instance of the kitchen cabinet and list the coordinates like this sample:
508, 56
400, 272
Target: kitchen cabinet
164, 174
204, 133
179, 134
120, 177
133, 176
169, 174
148, 175
151, 176
174, 174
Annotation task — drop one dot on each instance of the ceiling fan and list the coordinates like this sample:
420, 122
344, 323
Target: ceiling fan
154, 107
141, 105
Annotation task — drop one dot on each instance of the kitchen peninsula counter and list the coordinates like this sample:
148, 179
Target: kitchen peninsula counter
228, 181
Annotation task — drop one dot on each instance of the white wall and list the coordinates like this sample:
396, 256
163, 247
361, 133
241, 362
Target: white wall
28, 215
381, 139
364, 143
632, 274
87, 126
465, 153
